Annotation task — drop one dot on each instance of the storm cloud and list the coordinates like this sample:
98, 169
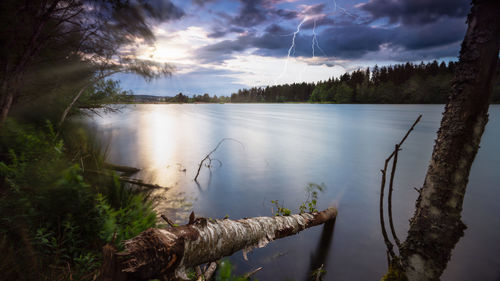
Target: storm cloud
416, 12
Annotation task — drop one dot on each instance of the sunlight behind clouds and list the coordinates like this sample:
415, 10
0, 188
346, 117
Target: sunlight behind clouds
179, 49
176, 47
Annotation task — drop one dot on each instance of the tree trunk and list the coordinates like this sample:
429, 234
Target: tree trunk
7, 99
165, 253
436, 226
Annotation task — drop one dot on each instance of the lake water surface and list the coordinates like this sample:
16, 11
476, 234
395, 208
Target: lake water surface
280, 148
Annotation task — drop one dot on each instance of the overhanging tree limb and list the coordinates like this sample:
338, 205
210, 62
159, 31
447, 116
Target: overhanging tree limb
147, 69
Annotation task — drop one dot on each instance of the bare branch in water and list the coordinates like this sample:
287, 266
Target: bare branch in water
388, 243
207, 157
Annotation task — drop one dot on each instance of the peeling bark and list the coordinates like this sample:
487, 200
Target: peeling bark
166, 253
436, 226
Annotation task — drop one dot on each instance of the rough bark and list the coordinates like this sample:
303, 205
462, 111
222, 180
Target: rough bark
165, 253
436, 226
7, 100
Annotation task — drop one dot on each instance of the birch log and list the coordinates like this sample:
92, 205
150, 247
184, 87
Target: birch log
166, 253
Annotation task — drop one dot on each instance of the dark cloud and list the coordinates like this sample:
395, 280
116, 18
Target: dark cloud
416, 12
161, 10
286, 14
203, 2
276, 29
438, 34
217, 34
349, 41
352, 41
225, 49
251, 14
221, 32
441, 32
236, 30
395, 53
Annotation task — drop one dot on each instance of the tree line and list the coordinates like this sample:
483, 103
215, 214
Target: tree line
424, 83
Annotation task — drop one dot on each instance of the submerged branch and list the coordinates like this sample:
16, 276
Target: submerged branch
120, 168
139, 182
251, 273
207, 157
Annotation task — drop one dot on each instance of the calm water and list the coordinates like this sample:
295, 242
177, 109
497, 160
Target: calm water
282, 148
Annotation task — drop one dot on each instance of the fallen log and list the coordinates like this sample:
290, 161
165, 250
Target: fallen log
120, 168
165, 254
139, 182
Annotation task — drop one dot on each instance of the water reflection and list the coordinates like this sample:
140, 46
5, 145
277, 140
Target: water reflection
157, 146
320, 256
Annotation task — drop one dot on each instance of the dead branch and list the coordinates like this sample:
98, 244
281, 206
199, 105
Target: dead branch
389, 198
165, 253
197, 269
120, 168
210, 271
133, 181
251, 273
388, 243
170, 223
139, 182
319, 272
207, 157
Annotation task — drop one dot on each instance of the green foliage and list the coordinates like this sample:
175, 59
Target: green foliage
312, 190
280, 209
26, 150
309, 205
105, 91
318, 273
394, 273
53, 216
322, 93
225, 272
135, 216
344, 93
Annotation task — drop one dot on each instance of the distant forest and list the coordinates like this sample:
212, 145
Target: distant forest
401, 83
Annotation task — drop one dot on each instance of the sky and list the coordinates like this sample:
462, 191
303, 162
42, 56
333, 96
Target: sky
220, 46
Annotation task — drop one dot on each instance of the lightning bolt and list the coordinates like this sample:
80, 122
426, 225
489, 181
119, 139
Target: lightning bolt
344, 11
292, 47
315, 42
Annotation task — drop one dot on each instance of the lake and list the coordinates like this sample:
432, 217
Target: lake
277, 149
